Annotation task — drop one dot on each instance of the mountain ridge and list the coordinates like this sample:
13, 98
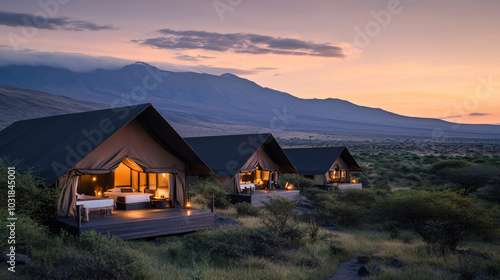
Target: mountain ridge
194, 98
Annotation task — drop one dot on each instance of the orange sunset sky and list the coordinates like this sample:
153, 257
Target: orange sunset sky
437, 59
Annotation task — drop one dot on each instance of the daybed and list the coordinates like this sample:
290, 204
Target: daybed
128, 198
93, 203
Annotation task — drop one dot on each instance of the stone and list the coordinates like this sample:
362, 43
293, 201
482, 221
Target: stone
20, 258
377, 269
363, 271
396, 263
331, 228
304, 204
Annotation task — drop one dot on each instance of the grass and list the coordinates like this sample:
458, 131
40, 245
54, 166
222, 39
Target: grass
168, 258
313, 260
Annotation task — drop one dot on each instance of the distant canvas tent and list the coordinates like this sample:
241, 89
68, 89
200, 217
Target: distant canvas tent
324, 165
241, 160
67, 150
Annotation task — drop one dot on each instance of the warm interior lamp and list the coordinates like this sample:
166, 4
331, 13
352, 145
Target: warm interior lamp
163, 174
94, 179
353, 181
188, 204
99, 193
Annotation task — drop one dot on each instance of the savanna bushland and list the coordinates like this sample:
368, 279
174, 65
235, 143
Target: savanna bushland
428, 210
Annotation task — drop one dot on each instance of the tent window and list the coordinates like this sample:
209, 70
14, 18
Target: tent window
134, 177
143, 181
93, 183
152, 181
258, 177
122, 176
336, 175
163, 189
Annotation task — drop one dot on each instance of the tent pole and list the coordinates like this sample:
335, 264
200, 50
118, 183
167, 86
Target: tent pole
79, 216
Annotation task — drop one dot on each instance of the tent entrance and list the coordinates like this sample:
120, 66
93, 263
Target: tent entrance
262, 179
338, 176
127, 174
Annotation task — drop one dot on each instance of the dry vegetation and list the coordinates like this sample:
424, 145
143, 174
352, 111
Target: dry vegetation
302, 249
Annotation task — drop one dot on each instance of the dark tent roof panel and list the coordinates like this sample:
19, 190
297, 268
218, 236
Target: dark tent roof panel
54, 145
314, 161
226, 155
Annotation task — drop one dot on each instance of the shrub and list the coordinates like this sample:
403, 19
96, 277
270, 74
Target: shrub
443, 165
29, 233
90, 256
342, 214
223, 247
381, 184
443, 219
28, 186
469, 179
364, 198
493, 268
335, 249
315, 194
206, 188
246, 209
298, 181
279, 218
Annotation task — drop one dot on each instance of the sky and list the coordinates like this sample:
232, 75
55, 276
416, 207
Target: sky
425, 58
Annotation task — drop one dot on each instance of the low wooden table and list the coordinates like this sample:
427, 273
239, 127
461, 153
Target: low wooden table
159, 202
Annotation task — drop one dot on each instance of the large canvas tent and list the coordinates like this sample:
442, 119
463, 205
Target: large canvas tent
324, 165
236, 159
65, 148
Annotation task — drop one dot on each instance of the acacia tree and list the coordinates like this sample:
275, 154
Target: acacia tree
444, 219
469, 179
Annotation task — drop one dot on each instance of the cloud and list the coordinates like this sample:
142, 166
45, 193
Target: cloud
466, 115
186, 57
478, 114
265, 68
84, 63
240, 43
73, 61
41, 22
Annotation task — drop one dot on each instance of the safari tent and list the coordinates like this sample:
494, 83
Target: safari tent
243, 162
326, 165
91, 152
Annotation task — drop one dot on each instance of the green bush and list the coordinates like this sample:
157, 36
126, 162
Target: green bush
443, 165
316, 195
278, 218
364, 198
28, 186
90, 256
335, 249
29, 234
493, 268
470, 179
246, 209
299, 182
224, 247
206, 188
443, 219
342, 214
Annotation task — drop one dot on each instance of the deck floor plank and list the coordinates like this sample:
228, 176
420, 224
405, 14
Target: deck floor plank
142, 223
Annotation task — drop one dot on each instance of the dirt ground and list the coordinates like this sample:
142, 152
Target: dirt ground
347, 271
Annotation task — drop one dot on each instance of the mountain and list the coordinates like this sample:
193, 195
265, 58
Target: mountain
227, 102
20, 103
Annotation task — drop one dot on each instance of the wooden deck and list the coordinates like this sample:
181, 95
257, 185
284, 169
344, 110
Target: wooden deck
260, 196
141, 223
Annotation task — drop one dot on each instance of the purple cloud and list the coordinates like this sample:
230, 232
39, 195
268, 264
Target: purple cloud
58, 23
239, 43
